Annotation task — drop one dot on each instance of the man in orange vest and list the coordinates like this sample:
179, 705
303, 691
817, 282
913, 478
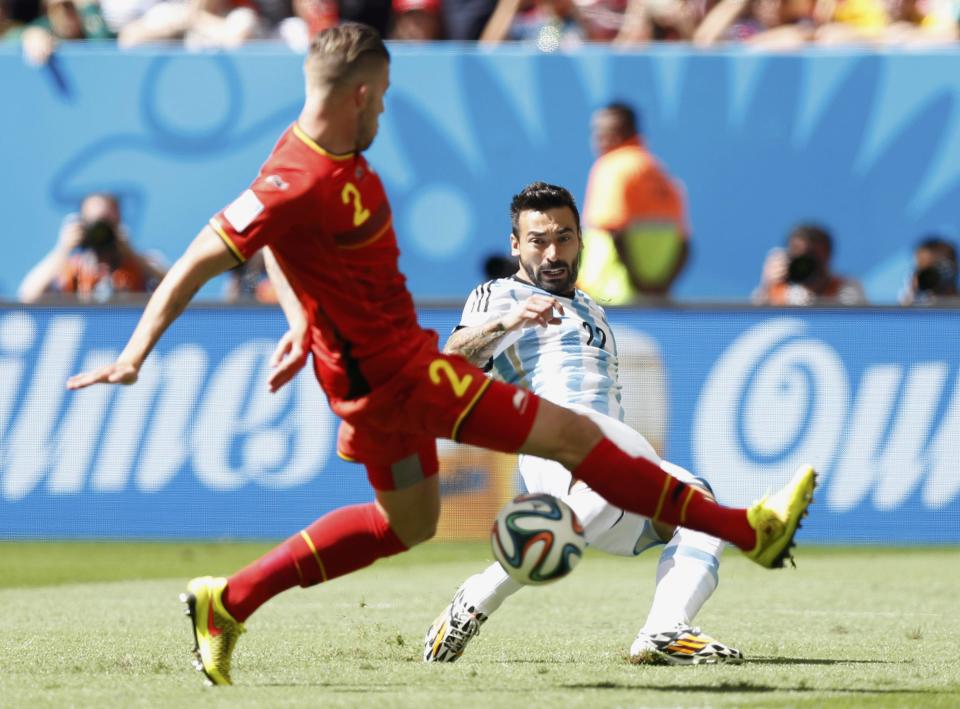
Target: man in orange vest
636, 241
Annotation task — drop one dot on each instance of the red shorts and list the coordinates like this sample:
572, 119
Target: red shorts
393, 430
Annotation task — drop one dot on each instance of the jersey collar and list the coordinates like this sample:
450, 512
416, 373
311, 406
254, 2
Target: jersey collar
315, 146
572, 296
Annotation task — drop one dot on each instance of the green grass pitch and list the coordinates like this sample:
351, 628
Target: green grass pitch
99, 625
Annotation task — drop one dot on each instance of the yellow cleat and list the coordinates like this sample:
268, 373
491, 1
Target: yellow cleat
215, 632
776, 519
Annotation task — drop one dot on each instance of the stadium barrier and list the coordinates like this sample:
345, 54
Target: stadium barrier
200, 449
856, 139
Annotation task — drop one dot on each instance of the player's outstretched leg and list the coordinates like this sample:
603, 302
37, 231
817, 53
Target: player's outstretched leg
764, 531
215, 631
635, 483
458, 623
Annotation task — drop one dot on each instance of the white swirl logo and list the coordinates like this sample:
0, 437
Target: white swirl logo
772, 401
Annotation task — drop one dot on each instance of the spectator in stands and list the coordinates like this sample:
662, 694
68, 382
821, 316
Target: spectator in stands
549, 24
416, 20
555, 23
922, 22
852, 21
636, 239
774, 24
93, 258
248, 281
659, 20
375, 13
309, 17
801, 273
466, 19
62, 20
10, 28
120, 13
199, 23
934, 277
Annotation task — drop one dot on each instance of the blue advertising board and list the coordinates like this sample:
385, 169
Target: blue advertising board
199, 449
858, 140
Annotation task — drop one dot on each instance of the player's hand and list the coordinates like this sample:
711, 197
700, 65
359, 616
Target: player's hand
116, 373
536, 310
287, 359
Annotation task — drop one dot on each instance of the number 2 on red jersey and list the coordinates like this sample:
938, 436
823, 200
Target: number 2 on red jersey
349, 194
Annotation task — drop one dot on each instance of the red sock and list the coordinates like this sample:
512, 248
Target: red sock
336, 544
642, 487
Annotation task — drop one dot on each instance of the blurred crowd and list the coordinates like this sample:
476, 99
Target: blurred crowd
546, 24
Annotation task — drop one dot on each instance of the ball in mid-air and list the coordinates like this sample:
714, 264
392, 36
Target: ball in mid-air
537, 539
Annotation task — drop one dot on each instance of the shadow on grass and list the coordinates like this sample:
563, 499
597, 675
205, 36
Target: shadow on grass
747, 688
731, 687
817, 661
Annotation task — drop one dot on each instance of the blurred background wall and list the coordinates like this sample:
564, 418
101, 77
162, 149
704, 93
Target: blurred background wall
200, 449
861, 141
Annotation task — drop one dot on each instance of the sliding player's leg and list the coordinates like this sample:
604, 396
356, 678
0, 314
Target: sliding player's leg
404, 513
687, 576
687, 573
635, 483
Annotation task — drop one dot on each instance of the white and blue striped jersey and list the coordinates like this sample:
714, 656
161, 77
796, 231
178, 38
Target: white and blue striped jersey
573, 363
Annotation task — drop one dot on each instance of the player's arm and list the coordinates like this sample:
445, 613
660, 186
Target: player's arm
291, 352
206, 257
478, 343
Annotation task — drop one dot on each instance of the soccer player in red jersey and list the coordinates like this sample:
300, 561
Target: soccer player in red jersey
322, 214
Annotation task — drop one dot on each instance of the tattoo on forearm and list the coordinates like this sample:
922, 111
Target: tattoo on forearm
476, 343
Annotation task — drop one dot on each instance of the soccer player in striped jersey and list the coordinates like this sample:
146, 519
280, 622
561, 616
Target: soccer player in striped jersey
537, 330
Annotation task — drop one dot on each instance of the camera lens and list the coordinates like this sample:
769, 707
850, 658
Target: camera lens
801, 268
928, 279
98, 235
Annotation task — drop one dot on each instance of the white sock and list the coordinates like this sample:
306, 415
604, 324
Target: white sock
488, 589
686, 578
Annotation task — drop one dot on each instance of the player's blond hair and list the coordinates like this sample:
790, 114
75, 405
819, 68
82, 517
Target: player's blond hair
340, 54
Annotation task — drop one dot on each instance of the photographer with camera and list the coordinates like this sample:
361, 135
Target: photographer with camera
934, 277
801, 275
93, 259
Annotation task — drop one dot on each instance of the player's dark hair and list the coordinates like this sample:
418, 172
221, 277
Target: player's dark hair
627, 118
540, 196
814, 233
338, 54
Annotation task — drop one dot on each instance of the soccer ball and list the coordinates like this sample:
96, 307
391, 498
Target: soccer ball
537, 539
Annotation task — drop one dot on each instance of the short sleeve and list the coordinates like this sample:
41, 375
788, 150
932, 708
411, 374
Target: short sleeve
265, 213
487, 301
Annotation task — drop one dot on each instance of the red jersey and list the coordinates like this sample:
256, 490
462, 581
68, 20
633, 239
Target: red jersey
327, 220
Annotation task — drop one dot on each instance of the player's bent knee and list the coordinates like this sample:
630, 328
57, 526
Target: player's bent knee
414, 531
413, 512
664, 531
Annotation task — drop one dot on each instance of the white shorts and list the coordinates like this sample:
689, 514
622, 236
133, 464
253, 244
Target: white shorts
606, 527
